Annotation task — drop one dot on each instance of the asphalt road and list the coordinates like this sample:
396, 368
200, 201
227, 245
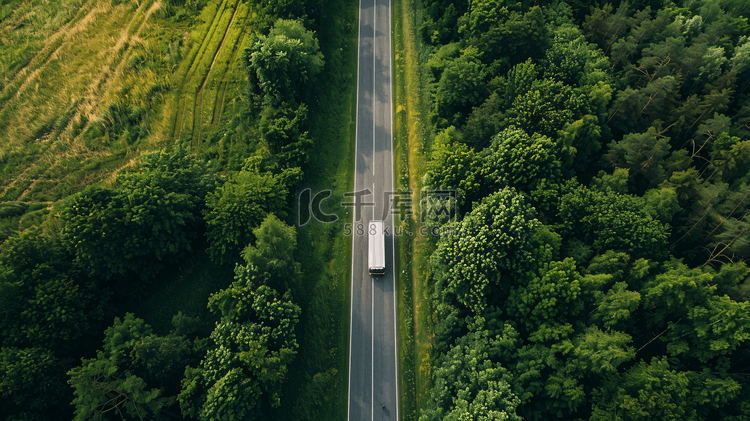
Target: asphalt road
373, 390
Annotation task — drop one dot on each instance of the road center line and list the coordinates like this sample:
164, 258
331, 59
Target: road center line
372, 317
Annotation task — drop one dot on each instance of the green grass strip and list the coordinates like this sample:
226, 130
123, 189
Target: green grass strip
411, 95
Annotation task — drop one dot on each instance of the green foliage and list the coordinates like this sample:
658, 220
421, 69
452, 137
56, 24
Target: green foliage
506, 36
460, 88
48, 313
109, 387
162, 359
664, 203
700, 323
518, 160
600, 353
239, 206
616, 182
643, 155
441, 24
628, 134
454, 166
655, 390
470, 381
616, 306
517, 81
489, 247
253, 345
484, 121
285, 9
31, 382
547, 107
105, 394
573, 61
284, 131
281, 64
583, 137
273, 252
714, 329
730, 158
152, 218
57, 313
553, 297
609, 220
46, 303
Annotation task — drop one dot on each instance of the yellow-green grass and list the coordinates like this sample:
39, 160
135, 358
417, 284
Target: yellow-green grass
412, 149
215, 78
48, 108
73, 73
217, 17
71, 80
28, 29
35, 114
67, 86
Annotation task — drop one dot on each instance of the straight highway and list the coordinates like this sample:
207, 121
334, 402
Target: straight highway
373, 389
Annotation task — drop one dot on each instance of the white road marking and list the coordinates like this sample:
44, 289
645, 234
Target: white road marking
372, 354
393, 222
351, 287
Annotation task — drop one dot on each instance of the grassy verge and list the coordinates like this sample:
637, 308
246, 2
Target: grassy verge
317, 388
412, 148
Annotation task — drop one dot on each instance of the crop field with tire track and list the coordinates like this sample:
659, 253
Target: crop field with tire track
72, 71
219, 42
216, 79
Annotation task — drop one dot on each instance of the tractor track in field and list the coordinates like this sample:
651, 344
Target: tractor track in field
15, 179
198, 109
178, 123
222, 91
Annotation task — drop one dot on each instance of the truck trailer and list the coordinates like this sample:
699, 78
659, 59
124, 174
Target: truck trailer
376, 245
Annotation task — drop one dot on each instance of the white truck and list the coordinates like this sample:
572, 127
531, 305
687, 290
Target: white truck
376, 245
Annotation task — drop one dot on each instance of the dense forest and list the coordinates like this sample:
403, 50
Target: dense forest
71, 346
601, 155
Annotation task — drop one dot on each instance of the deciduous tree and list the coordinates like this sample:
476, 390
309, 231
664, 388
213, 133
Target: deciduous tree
489, 248
281, 63
254, 343
238, 207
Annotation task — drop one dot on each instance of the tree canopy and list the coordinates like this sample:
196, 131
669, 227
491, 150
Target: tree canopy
281, 63
596, 267
253, 345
